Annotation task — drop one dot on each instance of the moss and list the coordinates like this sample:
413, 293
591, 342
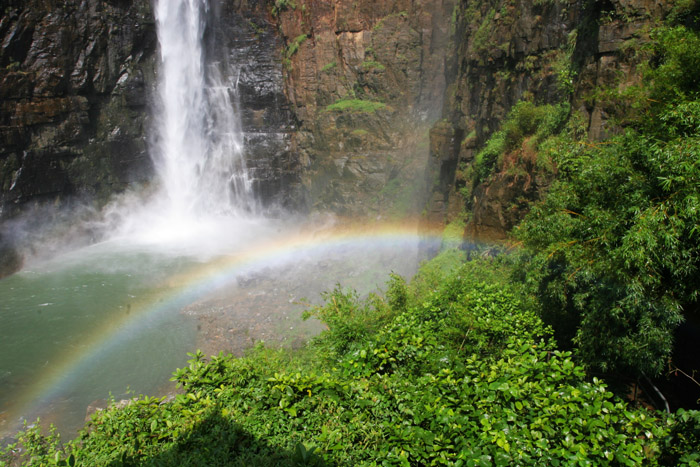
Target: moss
380, 24
373, 65
291, 49
355, 105
283, 5
257, 30
481, 36
294, 45
453, 234
327, 68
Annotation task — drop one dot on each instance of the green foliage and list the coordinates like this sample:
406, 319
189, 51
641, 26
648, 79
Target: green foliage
349, 321
459, 373
681, 446
282, 5
293, 48
480, 40
327, 68
355, 105
373, 65
614, 247
563, 66
686, 12
36, 449
675, 79
453, 234
524, 120
397, 293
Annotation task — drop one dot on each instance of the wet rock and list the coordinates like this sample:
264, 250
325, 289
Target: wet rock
10, 259
243, 38
365, 80
62, 75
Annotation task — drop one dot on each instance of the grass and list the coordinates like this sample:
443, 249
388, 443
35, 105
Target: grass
355, 106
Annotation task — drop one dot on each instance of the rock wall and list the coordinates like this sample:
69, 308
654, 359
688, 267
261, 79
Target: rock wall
77, 84
74, 90
339, 99
244, 35
547, 52
366, 80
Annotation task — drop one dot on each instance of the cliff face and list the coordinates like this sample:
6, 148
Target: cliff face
77, 83
339, 99
243, 35
77, 86
547, 52
74, 87
365, 79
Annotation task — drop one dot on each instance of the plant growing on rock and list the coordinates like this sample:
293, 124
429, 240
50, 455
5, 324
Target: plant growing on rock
355, 105
615, 244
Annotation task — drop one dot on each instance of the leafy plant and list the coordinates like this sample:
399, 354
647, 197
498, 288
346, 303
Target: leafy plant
327, 68
614, 246
524, 120
282, 5
458, 373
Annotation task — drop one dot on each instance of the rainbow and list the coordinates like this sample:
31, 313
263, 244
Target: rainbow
186, 287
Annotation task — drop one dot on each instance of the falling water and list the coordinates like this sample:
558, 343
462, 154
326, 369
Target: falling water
198, 148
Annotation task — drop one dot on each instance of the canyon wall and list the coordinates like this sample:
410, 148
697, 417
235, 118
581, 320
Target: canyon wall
545, 52
77, 82
366, 80
365, 107
74, 90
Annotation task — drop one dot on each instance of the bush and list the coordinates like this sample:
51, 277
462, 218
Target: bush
614, 248
524, 120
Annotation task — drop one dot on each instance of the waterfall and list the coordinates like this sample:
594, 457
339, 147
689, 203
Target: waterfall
198, 145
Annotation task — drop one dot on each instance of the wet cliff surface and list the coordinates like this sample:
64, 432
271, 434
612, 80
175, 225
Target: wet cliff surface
243, 34
77, 90
77, 94
366, 79
74, 92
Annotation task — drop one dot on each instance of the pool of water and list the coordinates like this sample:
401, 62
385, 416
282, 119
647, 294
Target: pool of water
116, 319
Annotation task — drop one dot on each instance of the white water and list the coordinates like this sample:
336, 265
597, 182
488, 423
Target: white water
95, 320
204, 196
199, 150
197, 146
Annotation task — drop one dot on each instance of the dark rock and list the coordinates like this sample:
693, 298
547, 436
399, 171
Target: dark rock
70, 74
522, 52
10, 259
245, 41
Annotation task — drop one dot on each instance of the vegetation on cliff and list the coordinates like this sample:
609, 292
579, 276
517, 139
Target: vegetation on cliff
613, 250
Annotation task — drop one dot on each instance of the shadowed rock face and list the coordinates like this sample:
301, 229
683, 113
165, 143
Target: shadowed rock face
245, 36
77, 85
75, 82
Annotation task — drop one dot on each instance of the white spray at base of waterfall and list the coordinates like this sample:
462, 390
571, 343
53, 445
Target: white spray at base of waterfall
203, 185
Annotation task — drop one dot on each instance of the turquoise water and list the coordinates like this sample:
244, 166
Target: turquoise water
60, 346
117, 318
